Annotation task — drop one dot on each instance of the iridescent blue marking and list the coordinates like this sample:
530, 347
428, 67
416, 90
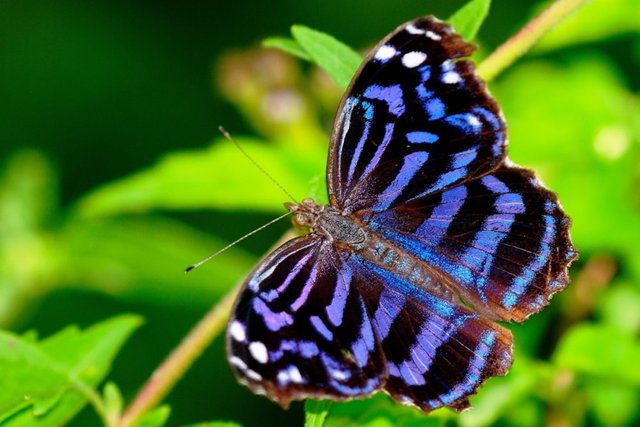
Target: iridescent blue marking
435, 108
467, 122
510, 203
388, 309
463, 159
444, 181
294, 272
260, 277
443, 214
461, 273
478, 361
333, 365
425, 72
392, 95
274, 321
423, 93
410, 374
368, 110
509, 300
412, 163
442, 307
365, 343
308, 349
358, 151
388, 132
322, 329
335, 310
495, 124
306, 289
419, 137
493, 184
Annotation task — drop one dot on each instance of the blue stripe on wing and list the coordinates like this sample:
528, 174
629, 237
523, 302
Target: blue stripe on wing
412, 100
300, 328
502, 240
437, 352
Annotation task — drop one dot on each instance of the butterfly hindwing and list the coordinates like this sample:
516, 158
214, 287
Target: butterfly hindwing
414, 121
437, 352
502, 240
300, 328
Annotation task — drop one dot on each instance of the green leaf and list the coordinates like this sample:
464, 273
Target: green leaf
143, 259
215, 424
381, 411
287, 45
55, 378
601, 351
469, 18
315, 412
204, 179
620, 307
499, 394
156, 417
597, 21
335, 57
613, 404
113, 401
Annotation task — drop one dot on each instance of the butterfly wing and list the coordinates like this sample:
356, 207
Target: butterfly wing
300, 328
414, 121
418, 153
315, 322
437, 352
501, 240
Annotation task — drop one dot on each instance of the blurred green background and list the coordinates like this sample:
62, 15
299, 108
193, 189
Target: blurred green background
113, 179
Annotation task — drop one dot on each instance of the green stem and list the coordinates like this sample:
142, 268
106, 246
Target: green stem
182, 357
94, 399
519, 44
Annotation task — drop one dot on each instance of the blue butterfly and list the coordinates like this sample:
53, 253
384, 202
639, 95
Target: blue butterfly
431, 235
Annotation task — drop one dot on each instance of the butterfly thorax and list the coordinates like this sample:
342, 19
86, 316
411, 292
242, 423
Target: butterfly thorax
328, 222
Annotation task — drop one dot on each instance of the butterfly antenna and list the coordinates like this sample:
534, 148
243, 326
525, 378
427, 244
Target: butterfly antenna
227, 135
235, 242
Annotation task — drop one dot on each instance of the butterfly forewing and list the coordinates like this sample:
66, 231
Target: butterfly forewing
300, 328
415, 121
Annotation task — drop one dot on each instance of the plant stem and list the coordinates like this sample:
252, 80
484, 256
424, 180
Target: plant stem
182, 357
519, 44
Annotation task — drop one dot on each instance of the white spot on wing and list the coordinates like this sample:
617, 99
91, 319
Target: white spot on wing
237, 331
385, 52
412, 29
259, 351
237, 362
295, 375
433, 36
451, 77
290, 375
473, 121
339, 375
253, 375
413, 59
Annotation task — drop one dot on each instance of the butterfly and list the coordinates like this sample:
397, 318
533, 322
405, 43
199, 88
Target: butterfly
430, 237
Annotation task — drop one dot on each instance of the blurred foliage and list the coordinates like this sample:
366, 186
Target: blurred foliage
90, 227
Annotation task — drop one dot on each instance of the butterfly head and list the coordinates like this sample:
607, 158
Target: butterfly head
305, 213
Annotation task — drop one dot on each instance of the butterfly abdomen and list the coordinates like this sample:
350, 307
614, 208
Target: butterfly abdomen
405, 265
